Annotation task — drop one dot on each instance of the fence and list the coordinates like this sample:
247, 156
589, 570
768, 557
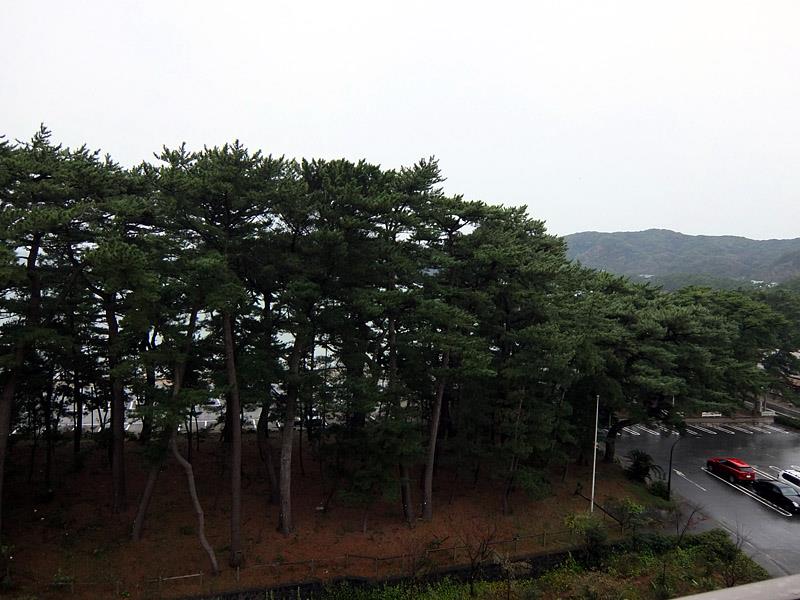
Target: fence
410, 564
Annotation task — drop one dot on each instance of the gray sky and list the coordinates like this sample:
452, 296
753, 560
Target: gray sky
598, 115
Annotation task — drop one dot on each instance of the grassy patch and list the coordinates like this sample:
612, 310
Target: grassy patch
650, 567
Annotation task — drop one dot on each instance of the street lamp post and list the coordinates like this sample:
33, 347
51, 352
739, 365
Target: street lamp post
669, 475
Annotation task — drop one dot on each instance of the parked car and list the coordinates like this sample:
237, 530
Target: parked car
791, 477
732, 469
780, 494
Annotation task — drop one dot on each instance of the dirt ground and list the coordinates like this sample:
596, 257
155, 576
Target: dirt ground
70, 544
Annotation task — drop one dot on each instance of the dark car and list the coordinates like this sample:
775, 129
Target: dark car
732, 469
780, 494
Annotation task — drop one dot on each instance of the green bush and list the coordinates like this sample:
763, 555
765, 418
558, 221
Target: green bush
631, 515
590, 532
642, 466
658, 488
535, 483
442, 590
787, 421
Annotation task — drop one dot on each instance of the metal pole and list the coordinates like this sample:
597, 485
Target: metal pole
594, 449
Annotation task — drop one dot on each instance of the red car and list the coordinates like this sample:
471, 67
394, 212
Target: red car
732, 469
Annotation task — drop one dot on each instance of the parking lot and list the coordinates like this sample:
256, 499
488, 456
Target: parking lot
771, 535
208, 417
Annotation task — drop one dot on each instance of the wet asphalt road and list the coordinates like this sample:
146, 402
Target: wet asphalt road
771, 538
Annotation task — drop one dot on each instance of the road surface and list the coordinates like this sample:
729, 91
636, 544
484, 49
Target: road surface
772, 538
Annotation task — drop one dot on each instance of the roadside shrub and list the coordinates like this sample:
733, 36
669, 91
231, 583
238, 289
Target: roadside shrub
590, 532
560, 579
787, 421
641, 466
535, 483
724, 557
630, 514
658, 487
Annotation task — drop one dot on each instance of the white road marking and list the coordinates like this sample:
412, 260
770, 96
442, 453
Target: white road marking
691, 432
631, 431
704, 429
720, 428
749, 493
650, 431
679, 474
754, 428
742, 429
667, 429
760, 472
761, 429
775, 428
774, 468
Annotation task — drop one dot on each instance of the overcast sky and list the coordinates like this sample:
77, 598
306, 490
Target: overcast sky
598, 115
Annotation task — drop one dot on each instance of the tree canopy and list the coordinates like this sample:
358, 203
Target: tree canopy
395, 327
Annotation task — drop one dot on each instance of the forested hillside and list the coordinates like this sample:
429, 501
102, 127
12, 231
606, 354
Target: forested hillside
722, 261
404, 332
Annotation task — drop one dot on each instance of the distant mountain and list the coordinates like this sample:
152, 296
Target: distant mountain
665, 255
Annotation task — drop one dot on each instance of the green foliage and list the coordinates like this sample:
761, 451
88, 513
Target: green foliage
358, 296
656, 568
61, 579
589, 531
787, 421
535, 483
631, 515
641, 466
658, 487
724, 557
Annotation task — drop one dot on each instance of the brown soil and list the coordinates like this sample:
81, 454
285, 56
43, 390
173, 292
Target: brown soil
75, 541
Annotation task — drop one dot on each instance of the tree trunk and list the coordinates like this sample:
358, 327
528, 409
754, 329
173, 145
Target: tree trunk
300, 445
77, 402
9, 385
149, 392
514, 458
236, 444
427, 501
611, 439
144, 503
227, 425
189, 436
34, 425
405, 476
509, 486
117, 408
405, 494
287, 435
265, 451
48, 433
177, 384
201, 525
